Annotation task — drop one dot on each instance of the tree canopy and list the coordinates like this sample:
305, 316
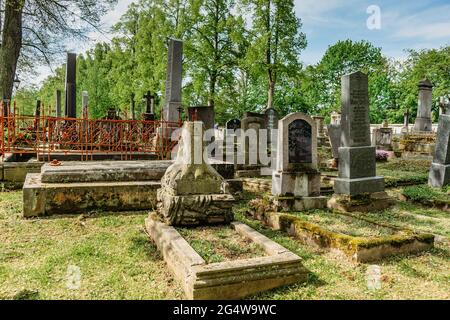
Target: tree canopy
238, 66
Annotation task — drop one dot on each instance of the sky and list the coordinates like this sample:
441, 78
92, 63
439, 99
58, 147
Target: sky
392, 25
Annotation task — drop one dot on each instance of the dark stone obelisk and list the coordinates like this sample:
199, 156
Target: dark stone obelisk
71, 86
58, 104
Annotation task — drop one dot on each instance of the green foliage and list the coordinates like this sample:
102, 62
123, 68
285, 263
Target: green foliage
426, 195
322, 84
238, 66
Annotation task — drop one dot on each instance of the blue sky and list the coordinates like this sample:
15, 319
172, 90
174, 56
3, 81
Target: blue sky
414, 24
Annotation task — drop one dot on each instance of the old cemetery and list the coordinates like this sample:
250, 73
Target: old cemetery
289, 208
178, 202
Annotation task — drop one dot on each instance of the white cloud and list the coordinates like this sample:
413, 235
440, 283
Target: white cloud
428, 31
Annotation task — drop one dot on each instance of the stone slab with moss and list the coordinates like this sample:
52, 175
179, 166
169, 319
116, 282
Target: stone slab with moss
362, 240
232, 279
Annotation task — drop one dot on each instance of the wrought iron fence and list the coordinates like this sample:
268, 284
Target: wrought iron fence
45, 135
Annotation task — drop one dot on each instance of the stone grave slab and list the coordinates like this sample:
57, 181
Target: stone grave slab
226, 280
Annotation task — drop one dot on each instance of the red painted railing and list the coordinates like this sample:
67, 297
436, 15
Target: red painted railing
45, 135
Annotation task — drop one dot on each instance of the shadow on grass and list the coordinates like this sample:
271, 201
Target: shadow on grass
92, 215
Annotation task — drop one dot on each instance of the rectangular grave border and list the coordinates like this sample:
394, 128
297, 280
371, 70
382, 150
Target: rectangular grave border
225, 280
358, 249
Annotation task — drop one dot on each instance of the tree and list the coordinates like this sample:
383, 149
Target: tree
35, 31
211, 51
432, 64
322, 82
277, 41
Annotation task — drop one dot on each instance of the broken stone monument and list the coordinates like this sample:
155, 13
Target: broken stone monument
296, 180
357, 187
193, 194
440, 168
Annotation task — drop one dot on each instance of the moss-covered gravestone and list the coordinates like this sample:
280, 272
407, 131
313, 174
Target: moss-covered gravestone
357, 186
440, 168
192, 192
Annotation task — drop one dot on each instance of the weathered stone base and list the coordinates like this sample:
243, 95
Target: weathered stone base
193, 210
358, 249
423, 125
248, 173
361, 203
226, 280
13, 174
299, 184
358, 186
439, 175
70, 198
299, 203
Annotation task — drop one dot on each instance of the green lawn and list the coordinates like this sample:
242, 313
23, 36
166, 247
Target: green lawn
117, 261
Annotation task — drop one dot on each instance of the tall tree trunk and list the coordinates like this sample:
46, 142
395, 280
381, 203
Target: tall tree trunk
270, 94
11, 45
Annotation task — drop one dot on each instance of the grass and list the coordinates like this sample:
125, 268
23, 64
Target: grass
117, 261
345, 224
219, 244
427, 195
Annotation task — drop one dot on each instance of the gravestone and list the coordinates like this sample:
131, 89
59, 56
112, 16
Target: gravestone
423, 120
205, 114
149, 107
71, 86
85, 103
319, 125
58, 104
173, 81
440, 168
382, 138
334, 135
357, 166
271, 118
132, 106
251, 125
406, 121
192, 192
296, 179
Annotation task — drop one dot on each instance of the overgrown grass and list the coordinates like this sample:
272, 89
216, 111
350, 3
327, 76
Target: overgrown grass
117, 261
221, 243
339, 223
427, 195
